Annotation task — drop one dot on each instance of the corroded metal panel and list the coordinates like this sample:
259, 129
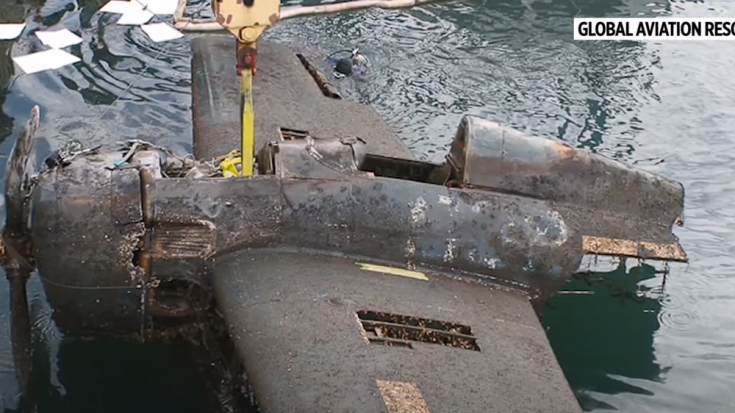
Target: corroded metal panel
611, 199
86, 228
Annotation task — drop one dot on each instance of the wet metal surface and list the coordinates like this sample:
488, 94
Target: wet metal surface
109, 202
499, 158
292, 317
17, 174
15, 254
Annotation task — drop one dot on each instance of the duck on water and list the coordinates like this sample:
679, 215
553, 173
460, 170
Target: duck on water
339, 274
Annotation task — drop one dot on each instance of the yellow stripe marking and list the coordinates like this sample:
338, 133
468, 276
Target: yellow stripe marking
394, 271
402, 397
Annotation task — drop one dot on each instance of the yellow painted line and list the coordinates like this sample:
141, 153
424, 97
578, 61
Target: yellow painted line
402, 397
394, 271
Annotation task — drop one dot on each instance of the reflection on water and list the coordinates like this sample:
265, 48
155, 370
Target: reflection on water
116, 377
77, 101
488, 58
617, 321
11, 12
666, 107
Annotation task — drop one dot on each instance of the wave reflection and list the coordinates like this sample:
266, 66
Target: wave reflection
439, 62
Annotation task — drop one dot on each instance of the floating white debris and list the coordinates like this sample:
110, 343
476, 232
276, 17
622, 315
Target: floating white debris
161, 32
45, 60
160, 6
121, 7
58, 39
133, 13
9, 31
135, 17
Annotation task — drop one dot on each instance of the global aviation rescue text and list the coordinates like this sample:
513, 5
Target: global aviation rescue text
653, 28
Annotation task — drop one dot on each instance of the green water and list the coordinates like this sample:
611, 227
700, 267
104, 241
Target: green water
635, 345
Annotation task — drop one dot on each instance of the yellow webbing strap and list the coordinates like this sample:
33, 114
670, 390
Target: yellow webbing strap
248, 124
229, 164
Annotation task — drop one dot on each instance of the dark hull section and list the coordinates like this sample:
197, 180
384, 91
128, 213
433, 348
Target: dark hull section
184, 226
113, 245
623, 210
102, 288
305, 328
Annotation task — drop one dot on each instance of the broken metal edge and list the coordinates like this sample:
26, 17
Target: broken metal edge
328, 89
633, 249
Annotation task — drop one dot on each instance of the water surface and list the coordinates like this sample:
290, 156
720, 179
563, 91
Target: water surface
639, 344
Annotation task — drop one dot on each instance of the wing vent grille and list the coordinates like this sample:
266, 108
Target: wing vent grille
401, 330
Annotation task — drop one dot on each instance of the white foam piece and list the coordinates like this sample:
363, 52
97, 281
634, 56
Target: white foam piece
161, 32
135, 17
121, 6
163, 7
9, 31
45, 60
58, 39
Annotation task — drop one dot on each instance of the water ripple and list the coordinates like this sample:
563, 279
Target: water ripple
676, 319
525, 73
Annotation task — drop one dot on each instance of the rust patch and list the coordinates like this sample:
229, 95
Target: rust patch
402, 397
363, 333
182, 241
563, 150
171, 298
273, 18
630, 248
147, 195
327, 88
127, 250
287, 134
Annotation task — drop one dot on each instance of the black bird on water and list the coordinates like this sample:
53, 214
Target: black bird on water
346, 66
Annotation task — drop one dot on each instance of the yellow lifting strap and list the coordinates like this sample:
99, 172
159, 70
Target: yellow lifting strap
247, 144
229, 164
246, 20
